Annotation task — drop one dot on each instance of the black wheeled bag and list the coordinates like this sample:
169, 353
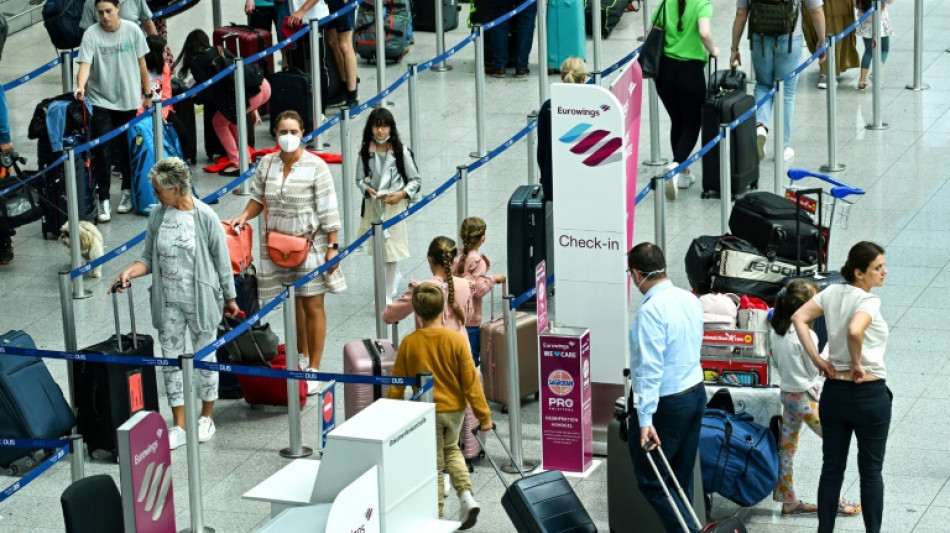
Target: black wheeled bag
423, 15
541, 503
397, 22
610, 13
289, 88
527, 239
770, 223
742, 269
53, 187
722, 106
700, 260
102, 391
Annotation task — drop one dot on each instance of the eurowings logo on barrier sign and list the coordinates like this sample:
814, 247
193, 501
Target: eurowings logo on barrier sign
602, 150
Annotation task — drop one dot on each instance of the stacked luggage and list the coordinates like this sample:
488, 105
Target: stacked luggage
727, 100
397, 22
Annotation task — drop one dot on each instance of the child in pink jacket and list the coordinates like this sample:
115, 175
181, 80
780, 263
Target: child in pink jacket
473, 266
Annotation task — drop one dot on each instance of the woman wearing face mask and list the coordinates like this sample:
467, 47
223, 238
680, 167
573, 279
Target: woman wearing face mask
297, 188
389, 181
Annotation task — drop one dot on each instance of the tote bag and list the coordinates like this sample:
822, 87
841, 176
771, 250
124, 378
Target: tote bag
652, 50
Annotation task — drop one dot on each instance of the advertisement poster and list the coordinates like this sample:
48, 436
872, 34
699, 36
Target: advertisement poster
145, 473
566, 425
541, 286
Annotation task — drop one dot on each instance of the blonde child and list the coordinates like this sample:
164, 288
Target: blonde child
473, 266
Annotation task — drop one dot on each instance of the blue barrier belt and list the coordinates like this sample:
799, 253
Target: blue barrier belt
35, 473
32, 443
22, 182
379, 97
267, 372
323, 129
504, 18
35, 73
240, 328
482, 161
89, 357
619, 64
422, 67
422, 390
516, 302
168, 10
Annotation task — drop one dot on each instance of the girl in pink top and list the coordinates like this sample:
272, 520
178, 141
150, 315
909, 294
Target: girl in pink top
459, 292
473, 266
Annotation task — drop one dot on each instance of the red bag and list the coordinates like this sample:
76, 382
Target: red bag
240, 247
259, 390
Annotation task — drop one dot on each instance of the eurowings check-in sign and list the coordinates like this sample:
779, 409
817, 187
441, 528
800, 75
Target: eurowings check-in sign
145, 473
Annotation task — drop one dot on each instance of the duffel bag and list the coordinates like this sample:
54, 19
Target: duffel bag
741, 269
700, 259
739, 458
770, 223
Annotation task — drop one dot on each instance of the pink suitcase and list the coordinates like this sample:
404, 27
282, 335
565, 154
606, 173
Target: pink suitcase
366, 357
467, 441
494, 357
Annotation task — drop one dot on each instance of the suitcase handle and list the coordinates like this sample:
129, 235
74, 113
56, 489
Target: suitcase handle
115, 314
481, 442
676, 485
504, 290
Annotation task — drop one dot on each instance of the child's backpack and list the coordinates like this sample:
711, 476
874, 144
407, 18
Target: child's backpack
61, 19
739, 458
773, 17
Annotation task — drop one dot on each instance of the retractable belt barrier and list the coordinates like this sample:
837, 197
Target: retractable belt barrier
63, 448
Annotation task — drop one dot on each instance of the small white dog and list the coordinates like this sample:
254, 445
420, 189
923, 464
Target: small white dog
90, 242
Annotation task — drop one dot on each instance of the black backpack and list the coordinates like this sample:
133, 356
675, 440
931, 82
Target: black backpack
61, 18
773, 17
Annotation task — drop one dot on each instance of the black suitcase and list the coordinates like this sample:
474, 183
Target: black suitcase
423, 15
723, 106
53, 187
290, 89
527, 238
184, 122
610, 13
31, 403
770, 223
700, 259
541, 503
245, 285
741, 268
101, 391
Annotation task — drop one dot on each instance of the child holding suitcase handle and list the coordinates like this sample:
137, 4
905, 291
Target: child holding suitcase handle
473, 266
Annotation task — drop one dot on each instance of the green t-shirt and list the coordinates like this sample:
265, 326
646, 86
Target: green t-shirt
685, 45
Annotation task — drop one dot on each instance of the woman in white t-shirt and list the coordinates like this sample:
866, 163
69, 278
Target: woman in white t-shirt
855, 398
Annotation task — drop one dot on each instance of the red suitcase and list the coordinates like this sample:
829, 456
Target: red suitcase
366, 357
270, 391
252, 41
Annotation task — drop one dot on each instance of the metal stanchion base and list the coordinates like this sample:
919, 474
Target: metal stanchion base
443, 67
238, 192
206, 530
305, 451
641, 38
923, 87
837, 168
526, 466
477, 155
86, 293
883, 126
659, 163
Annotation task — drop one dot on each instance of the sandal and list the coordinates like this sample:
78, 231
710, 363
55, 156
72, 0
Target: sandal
801, 508
847, 507
862, 85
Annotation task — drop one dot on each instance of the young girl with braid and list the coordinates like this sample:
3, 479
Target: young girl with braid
458, 291
473, 266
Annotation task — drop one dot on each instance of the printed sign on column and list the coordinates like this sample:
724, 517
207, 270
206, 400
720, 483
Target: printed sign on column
145, 472
328, 414
541, 286
628, 88
566, 424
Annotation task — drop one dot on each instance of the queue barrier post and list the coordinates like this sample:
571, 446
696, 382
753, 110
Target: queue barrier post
514, 391
653, 105
426, 378
441, 66
158, 131
69, 328
831, 106
349, 228
542, 29
241, 106
659, 212
72, 212
380, 48
77, 457
414, 141
596, 75
778, 137
479, 91
66, 70
216, 13
877, 120
647, 22
918, 83
725, 176
195, 505
532, 150
379, 274
296, 449
461, 196
596, 25
316, 96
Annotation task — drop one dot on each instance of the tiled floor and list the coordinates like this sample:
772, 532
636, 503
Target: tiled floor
905, 209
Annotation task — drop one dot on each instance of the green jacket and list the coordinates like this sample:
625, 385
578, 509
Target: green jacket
214, 283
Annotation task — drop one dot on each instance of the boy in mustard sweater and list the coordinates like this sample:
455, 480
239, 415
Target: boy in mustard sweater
446, 354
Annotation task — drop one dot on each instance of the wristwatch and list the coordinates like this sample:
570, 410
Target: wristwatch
334, 245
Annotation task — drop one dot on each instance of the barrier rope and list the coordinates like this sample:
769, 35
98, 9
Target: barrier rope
530, 293
422, 390
168, 10
422, 67
32, 443
35, 473
504, 18
36, 72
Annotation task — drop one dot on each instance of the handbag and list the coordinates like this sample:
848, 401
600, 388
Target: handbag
652, 50
256, 346
20, 207
288, 251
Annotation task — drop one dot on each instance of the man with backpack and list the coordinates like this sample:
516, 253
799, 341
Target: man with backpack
775, 37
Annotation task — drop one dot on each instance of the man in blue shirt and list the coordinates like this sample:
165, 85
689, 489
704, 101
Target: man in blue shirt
6, 146
668, 380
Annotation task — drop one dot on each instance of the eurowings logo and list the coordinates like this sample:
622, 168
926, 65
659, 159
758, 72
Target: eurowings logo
154, 489
602, 150
369, 513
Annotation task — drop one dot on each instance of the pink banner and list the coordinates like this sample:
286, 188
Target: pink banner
628, 88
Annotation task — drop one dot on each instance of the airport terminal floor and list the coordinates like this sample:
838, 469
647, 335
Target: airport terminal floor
906, 209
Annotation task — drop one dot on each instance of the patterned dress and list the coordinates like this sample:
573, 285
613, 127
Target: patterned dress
303, 204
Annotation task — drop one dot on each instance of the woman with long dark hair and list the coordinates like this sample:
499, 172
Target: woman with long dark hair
389, 180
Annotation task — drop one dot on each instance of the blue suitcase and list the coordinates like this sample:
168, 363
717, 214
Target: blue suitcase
32, 405
142, 159
566, 37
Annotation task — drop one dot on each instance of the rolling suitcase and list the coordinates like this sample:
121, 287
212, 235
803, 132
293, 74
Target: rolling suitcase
423, 15
53, 188
527, 239
288, 88
31, 403
259, 390
566, 36
611, 11
398, 27
142, 159
770, 223
494, 357
184, 122
721, 107
542, 503
104, 392
245, 41
469, 445
366, 357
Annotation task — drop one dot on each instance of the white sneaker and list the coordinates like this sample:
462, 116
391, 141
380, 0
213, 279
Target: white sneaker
206, 429
762, 136
685, 181
670, 185
446, 484
822, 81
468, 510
105, 211
313, 387
789, 153
125, 204
176, 437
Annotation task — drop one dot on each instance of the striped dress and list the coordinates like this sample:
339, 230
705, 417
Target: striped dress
303, 204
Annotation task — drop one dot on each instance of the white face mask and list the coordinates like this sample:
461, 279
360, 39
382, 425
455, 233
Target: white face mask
288, 143
647, 275
380, 140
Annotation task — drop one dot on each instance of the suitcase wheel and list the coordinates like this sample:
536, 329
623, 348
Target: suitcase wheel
99, 455
11, 470
706, 195
755, 185
504, 408
470, 466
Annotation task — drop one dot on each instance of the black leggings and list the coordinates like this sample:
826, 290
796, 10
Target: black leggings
103, 121
681, 87
863, 409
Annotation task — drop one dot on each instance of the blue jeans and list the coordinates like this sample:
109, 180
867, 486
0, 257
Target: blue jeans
523, 34
677, 422
869, 55
772, 60
475, 341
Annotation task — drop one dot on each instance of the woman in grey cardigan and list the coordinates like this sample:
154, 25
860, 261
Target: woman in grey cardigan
186, 253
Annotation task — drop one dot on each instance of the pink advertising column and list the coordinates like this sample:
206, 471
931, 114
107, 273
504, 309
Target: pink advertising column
145, 473
566, 424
